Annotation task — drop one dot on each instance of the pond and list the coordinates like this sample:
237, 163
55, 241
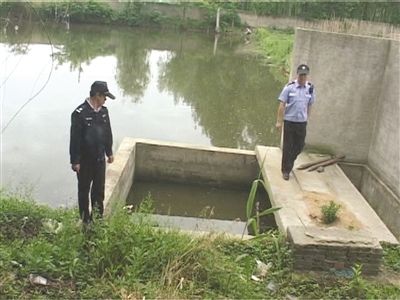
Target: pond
170, 86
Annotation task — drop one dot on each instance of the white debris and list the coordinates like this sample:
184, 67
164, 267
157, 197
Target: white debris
255, 278
38, 280
128, 208
262, 268
52, 226
15, 263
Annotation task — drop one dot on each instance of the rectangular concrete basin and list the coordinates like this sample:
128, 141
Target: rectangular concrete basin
156, 161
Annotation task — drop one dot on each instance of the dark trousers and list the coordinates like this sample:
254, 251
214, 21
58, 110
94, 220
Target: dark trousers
294, 135
91, 178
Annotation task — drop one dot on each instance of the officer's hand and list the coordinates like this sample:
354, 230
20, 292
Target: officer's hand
76, 168
278, 126
110, 159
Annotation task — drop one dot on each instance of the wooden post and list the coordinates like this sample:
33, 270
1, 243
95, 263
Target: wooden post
215, 43
217, 29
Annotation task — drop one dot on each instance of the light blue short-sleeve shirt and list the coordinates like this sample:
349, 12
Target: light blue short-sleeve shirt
297, 99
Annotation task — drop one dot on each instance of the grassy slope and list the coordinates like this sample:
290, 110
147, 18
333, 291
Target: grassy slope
119, 258
276, 46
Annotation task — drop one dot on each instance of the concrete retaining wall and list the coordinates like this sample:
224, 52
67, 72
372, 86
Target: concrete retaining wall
357, 109
344, 26
377, 193
383, 201
182, 163
120, 175
347, 71
384, 150
323, 249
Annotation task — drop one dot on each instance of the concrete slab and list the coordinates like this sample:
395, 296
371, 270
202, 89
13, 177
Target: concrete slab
191, 224
331, 184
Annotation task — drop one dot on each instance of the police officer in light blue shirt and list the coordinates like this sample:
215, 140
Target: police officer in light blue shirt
294, 110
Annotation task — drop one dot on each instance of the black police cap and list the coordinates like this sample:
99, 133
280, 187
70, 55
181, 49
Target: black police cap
102, 88
303, 69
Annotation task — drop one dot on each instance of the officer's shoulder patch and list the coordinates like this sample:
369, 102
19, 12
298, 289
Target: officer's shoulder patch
309, 83
81, 107
290, 83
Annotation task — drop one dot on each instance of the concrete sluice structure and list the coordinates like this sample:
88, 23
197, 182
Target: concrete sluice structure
354, 238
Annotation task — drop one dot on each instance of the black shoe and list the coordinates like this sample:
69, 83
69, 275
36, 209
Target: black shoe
285, 176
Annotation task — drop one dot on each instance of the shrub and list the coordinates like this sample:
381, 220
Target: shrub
329, 212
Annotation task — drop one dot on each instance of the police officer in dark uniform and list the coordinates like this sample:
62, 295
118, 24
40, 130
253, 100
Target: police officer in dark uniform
91, 140
294, 110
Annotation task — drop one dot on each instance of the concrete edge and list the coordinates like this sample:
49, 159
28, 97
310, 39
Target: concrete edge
191, 146
123, 166
348, 34
277, 215
376, 177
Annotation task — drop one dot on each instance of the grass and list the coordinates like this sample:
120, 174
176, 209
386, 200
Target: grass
124, 256
276, 46
329, 212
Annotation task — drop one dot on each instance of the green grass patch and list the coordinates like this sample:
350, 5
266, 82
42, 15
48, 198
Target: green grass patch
276, 46
126, 256
392, 257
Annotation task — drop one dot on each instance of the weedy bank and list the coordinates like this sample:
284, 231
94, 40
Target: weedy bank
126, 256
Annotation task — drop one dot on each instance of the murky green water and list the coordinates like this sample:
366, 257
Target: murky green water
170, 86
199, 207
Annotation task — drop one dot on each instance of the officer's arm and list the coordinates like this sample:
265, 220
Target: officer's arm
311, 102
75, 139
109, 138
281, 110
283, 98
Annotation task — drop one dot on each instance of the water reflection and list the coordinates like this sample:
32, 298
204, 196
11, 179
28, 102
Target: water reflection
230, 95
170, 86
133, 69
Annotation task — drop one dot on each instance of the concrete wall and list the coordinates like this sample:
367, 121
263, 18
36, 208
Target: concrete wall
357, 109
383, 200
357, 88
175, 162
346, 71
377, 193
384, 151
119, 176
354, 172
344, 26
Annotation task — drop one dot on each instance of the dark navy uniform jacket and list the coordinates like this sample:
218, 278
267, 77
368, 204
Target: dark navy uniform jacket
91, 136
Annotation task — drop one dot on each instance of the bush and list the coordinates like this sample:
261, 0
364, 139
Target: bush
329, 212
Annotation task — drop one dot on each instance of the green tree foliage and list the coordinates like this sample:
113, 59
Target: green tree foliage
134, 15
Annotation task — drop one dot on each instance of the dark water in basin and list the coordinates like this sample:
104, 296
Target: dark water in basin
199, 207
